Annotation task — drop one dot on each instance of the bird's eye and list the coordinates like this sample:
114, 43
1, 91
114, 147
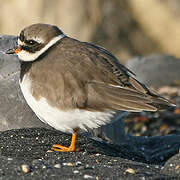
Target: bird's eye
31, 42
21, 37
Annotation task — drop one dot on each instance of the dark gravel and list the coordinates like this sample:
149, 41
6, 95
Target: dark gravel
25, 155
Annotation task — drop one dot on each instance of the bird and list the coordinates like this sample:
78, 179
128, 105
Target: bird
73, 85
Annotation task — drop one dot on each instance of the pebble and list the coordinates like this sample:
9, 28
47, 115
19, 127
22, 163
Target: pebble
44, 167
50, 151
130, 170
76, 172
68, 164
78, 163
86, 176
25, 168
156, 166
57, 166
98, 154
171, 165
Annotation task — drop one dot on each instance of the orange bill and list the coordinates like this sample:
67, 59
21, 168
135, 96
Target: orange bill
13, 51
17, 50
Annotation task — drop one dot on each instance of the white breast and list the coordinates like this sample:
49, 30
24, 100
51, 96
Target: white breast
64, 121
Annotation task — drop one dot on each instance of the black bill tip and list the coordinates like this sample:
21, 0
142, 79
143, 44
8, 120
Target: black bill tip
10, 51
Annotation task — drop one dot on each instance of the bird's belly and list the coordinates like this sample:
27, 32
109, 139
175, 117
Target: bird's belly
64, 121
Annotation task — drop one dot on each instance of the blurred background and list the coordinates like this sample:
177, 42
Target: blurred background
125, 27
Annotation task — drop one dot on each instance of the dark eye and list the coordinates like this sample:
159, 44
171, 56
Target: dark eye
31, 42
21, 37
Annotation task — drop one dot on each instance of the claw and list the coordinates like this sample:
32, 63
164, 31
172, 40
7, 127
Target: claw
71, 148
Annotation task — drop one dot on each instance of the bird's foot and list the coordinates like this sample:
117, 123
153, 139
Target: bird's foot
57, 147
71, 148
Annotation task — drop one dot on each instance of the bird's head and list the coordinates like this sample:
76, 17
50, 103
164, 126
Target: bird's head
34, 40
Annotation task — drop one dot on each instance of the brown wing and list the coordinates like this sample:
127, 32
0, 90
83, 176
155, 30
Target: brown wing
123, 92
91, 78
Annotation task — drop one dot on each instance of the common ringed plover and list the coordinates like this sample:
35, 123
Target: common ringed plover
74, 85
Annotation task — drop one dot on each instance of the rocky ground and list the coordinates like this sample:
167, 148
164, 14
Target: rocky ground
26, 154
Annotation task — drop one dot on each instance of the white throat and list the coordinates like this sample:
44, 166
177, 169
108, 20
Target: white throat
27, 56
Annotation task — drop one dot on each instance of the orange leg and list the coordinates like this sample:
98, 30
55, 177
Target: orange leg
71, 148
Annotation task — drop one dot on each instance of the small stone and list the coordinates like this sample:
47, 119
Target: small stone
68, 164
78, 163
86, 176
57, 166
9, 159
76, 172
156, 166
98, 154
131, 171
44, 167
25, 168
50, 151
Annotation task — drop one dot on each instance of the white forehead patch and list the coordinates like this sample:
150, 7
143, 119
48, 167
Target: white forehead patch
20, 43
27, 56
